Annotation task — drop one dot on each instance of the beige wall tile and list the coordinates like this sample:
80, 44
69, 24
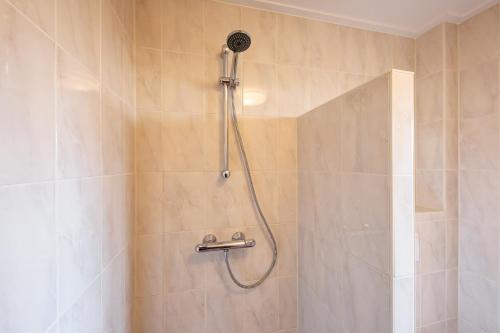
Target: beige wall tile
262, 26
287, 302
429, 140
292, 91
430, 98
27, 215
113, 318
287, 144
479, 38
149, 203
149, 141
184, 201
149, 85
353, 50
149, 314
292, 50
365, 127
433, 298
259, 90
429, 52
261, 140
79, 217
78, 31
183, 268
114, 217
403, 53
85, 315
112, 47
183, 83
185, 312
378, 56
183, 142
148, 23
113, 141
27, 134
149, 263
323, 41
42, 12
78, 120
220, 20
479, 89
183, 28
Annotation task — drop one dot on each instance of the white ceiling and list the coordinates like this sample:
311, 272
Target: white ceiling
403, 17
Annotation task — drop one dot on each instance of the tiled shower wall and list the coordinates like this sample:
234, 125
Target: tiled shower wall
181, 196
479, 269
437, 178
66, 176
356, 210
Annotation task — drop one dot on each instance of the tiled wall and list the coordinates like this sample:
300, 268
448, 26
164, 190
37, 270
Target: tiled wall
437, 178
479, 296
181, 196
356, 209
66, 176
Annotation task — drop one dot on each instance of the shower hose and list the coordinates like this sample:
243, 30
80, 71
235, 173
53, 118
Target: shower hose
255, 200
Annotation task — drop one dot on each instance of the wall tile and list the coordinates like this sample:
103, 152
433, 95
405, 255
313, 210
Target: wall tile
262, 308
403, 53
221, 19
79, 215
184, 201
479, 37
188, 130
28, 248
42, 12
148, 314
292, 91
292, 50
183, 268
353, 50
113, 297
433, 298
112, 48
262, 26
287, 302
148, 23
183, 82
149, 269
183, 26
259, 82
149, 141
429, 50
185, 312
113, 223
78, 120
113, 136
365, 128
27, 131
479, 86
323, 44
149, 203
78, 31
149, 79
85, 315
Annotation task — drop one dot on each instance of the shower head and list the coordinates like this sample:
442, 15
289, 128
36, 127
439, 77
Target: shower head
238, 41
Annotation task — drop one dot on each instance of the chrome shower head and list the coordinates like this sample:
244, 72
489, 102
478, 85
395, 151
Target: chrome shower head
238, 41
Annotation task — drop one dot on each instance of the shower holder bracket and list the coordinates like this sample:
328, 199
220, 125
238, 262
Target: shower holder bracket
210, 244
226, 80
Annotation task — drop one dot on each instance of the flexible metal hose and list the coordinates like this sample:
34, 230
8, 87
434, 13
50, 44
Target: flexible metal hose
251, 188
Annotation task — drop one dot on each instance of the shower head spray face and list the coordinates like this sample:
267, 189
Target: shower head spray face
238, 41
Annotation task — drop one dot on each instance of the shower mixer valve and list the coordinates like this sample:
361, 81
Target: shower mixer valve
210, 243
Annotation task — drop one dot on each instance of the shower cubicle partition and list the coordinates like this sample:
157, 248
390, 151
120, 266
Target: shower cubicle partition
356, 210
